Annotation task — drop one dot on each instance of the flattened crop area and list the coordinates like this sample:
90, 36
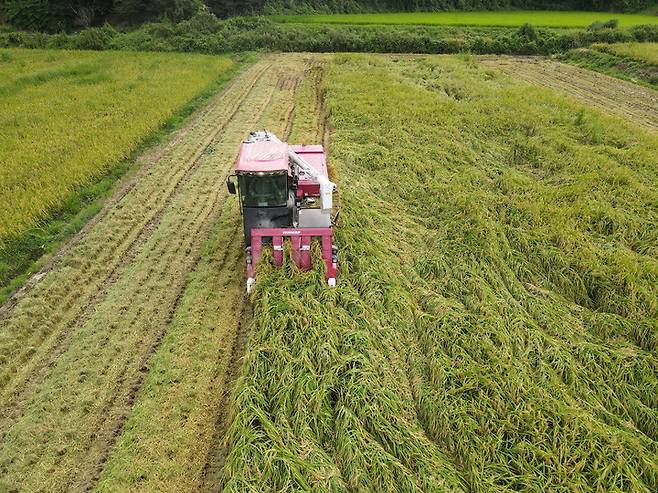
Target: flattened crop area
493, 328
132, 333
611, 95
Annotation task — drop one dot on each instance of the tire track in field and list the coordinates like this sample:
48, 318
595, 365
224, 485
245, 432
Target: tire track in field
280, 121
103, 440
223, 286
106, 438
89, 388
625, 99
37, 372
110, 434
217, 314
216, 457
68, 293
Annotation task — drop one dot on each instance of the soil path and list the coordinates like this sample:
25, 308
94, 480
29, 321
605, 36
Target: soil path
630, 101
77, 344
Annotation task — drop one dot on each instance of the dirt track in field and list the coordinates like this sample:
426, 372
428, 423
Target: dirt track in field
77, 342
630, 101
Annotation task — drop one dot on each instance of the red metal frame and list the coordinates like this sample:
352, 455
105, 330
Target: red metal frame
300, 239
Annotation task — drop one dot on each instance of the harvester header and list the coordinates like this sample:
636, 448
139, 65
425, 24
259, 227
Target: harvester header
284, 192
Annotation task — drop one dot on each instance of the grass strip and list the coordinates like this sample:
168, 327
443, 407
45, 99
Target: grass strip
647, 52
634, 67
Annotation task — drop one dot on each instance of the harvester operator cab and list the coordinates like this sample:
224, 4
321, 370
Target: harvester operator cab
284, 192
263, 186
263, 189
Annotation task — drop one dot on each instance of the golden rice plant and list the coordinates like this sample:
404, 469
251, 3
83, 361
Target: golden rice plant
494, 326
67, 116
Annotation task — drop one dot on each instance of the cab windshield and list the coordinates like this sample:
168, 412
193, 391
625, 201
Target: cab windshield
263, 189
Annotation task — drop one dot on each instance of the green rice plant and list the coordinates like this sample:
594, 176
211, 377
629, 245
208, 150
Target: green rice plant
503, 18
494, 326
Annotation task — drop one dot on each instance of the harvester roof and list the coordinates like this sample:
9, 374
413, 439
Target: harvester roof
264, 156
315, 156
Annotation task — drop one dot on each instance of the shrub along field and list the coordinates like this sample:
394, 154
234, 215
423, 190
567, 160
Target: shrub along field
494, 327
514, 18
637, 62
205, 33
68, 118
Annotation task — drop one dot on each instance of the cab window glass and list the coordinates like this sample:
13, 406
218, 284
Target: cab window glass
266, 190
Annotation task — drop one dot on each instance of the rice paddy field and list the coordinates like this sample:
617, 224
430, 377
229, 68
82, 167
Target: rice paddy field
67, 116
647, 52
636, 62
558, 19
494, 327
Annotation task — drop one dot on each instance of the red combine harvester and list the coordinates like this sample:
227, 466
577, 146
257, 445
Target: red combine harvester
284, 191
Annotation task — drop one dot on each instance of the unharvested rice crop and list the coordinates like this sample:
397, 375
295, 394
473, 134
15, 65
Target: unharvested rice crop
487, 18
68, 116
636, 62
494, 328
647, 52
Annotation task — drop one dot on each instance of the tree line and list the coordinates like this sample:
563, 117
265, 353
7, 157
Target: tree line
65, 15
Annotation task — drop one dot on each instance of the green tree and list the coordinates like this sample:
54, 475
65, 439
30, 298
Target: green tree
137, 11
54, 15
86, 13
35, 15
227, 8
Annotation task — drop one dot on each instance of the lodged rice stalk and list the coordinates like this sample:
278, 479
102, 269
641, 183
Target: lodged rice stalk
494, 327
